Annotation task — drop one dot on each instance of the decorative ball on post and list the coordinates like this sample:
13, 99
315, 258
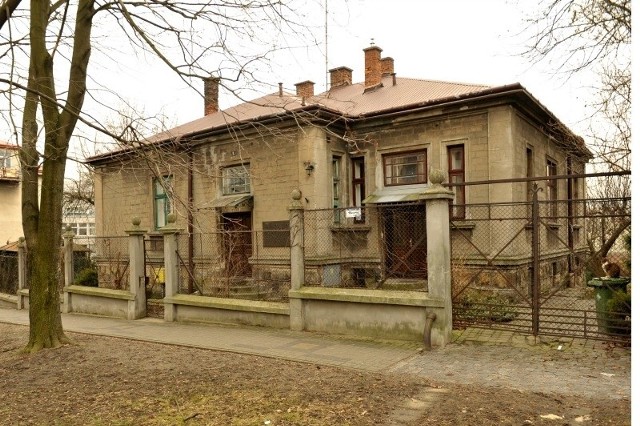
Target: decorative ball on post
436, 177
135, 221
296, 196
171, 218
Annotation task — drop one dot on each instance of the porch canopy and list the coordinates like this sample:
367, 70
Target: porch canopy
396, 194
234, 203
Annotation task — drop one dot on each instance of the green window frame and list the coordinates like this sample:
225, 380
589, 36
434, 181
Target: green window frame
162, 205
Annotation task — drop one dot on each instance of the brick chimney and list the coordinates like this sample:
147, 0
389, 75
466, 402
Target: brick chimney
304, 89
340, 76
211, 105
386, 65
372, 68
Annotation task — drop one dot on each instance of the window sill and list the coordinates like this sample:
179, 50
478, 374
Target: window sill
350, 228
462, 226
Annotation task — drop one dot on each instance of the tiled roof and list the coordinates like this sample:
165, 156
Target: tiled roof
350, 101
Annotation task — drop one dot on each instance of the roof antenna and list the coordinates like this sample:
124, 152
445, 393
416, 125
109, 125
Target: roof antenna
372, 42
326, 45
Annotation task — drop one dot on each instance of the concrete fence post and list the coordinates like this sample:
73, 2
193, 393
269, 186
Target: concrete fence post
437, 199
171, 266
138, 306
67, 238
67, 259
22, 271
296, 229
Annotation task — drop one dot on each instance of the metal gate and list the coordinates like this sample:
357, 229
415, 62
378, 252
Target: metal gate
530, 267
154, 275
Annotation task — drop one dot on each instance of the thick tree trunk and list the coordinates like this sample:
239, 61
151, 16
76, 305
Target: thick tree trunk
42, 221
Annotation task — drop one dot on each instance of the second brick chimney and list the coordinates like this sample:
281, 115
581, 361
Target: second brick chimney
340, 76
211, 105
372, 67
304, 89
386, 65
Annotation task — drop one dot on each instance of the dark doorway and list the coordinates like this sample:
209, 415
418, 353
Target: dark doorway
405, 241
237, 243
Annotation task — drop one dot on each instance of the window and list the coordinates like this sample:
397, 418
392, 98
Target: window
405, 169
529, 174
236, 180
552, 188
336, 173
161, 202
357, 184
81, 229
5, 158
276, 234
455, 156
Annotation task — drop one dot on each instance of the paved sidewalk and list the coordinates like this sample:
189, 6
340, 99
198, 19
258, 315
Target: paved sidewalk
568, 366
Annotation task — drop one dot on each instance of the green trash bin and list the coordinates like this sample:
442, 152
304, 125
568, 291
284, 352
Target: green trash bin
604, 289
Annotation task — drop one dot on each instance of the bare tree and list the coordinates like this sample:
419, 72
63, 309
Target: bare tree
45, 44
594, 37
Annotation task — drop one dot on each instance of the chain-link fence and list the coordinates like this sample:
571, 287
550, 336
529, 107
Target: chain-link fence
530, 266
102, 262
374, 247
8, 273
252, 265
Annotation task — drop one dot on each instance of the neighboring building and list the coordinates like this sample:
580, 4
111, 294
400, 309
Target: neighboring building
10, 194
364, 143
80, 219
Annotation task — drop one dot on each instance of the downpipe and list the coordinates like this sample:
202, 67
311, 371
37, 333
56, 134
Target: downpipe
426, 338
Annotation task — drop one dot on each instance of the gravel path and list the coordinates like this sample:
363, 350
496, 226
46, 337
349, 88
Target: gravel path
578, 368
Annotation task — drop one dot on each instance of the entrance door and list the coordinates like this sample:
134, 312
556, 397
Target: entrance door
237, 243
405, 241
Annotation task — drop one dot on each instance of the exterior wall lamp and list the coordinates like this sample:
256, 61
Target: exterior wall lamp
309, 167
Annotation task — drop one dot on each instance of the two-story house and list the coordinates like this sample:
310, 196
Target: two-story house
10, 194
357, 144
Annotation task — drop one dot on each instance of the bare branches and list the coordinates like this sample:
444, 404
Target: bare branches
6, 10
581, 32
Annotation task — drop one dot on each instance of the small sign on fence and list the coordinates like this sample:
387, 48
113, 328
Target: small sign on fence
353, 212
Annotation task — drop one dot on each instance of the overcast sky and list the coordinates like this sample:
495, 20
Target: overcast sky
467, 41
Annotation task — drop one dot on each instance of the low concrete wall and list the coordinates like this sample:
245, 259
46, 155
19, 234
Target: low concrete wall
8, 301
398, 315
190, 308
98, 301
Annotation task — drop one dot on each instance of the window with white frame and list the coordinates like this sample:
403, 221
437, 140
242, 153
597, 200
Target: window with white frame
405, 168
5, 158
236, 180
162, 205
81, 229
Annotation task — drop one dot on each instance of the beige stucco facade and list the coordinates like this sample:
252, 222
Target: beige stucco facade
10, 195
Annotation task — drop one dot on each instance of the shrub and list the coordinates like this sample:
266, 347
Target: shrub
87, 277
486, 307
619, 313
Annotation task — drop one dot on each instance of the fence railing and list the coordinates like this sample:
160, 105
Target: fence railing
366, 247
528, 265
101, 262
9, 273
252, 265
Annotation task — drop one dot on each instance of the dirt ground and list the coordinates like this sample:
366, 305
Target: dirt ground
110, 381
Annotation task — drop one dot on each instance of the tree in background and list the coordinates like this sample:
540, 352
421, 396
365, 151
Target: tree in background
593, 37
49, 44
